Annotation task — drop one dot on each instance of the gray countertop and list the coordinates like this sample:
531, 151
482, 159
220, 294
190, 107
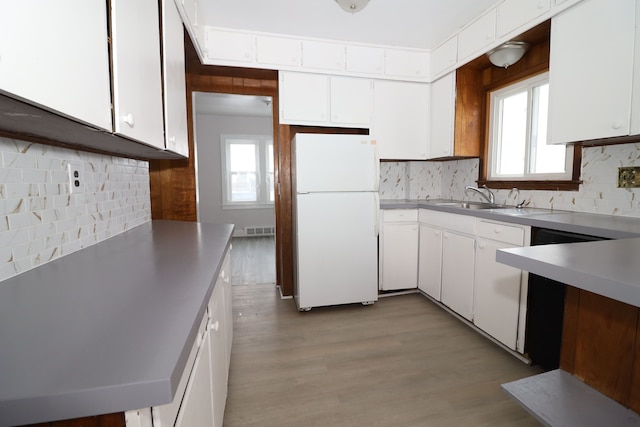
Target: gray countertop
609, 267
108, 328
607, 226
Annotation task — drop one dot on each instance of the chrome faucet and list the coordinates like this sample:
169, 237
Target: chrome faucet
489, 196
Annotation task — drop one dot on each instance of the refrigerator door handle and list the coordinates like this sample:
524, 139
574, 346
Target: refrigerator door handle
376, 202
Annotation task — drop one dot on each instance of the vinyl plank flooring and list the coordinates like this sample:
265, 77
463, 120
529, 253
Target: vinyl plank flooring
253, 260
400, 362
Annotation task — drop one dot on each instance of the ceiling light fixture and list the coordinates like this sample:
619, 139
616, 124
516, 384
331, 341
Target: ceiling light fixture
507, 53
352, 6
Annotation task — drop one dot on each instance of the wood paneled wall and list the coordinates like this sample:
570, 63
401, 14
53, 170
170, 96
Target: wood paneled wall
601, 345
108, 420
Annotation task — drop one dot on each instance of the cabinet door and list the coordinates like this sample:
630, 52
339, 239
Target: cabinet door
497, 294
196, 409
458, 256
137, 84
229, 45
406, 63
590, 71
326, 56
218, 352
399, 256
477, 36
363, 59
228, 307
278, 51
175, 117
443, 111
513, 14
430, 262
56, 55
401, 119
444, 57
304, 98
351, 101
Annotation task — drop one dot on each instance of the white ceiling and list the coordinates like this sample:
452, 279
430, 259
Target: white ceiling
408, 23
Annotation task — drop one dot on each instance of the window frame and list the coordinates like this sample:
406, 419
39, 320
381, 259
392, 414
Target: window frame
495, 146
572, 184
261, 145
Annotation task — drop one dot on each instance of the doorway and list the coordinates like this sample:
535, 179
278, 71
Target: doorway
234, 153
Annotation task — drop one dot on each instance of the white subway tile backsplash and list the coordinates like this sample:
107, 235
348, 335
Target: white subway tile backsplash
40, 220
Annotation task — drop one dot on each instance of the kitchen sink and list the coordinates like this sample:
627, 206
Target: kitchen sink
471, 205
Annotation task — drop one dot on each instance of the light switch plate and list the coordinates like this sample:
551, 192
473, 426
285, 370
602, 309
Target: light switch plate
629, 177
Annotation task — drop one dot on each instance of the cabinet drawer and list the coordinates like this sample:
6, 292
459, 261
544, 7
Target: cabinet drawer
460, 223
501, 232
400, 215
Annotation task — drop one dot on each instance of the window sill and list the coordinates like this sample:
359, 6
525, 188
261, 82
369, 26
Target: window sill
573, 185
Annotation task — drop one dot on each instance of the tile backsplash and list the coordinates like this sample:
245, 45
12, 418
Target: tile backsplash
597, 194
41, 221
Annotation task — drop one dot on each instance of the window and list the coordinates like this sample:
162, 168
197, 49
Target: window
518, 147
247, 170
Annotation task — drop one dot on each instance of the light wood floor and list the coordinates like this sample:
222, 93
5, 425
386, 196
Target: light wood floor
400, 362
253, 260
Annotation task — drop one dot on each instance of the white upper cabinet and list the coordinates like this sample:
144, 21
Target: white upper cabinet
474, 39
278, 50
400, 122
443, 111
351, 101
444, 57
364, 59
322, 100
55, 55
175, 92
591, 71
406, 63
229, 45
137, 83
513, 14
304, 98
321, 55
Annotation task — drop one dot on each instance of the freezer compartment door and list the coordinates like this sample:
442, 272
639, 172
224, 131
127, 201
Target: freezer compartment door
336, 249
335, 163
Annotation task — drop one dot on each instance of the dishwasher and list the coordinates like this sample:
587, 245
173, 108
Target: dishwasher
545, 305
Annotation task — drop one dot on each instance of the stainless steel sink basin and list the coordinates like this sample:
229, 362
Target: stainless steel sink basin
471, 205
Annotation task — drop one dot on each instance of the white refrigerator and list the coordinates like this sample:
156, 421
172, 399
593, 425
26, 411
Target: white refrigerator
335, 216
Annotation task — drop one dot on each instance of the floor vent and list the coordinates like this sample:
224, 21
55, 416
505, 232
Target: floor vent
259, 231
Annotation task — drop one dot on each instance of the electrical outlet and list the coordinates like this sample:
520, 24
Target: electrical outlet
629, 177
75, 178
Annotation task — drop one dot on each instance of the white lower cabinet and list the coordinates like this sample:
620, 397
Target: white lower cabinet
457, 266
398, 262
197, 408
458, 259
219, 369
430, 262
202, 391
500, 290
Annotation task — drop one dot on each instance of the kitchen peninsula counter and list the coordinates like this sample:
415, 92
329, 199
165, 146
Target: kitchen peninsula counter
107, 328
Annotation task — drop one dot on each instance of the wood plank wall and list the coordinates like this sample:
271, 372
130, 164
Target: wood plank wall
601, 345
108, 420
